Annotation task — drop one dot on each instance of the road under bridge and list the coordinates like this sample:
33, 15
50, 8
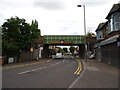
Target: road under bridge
64, 40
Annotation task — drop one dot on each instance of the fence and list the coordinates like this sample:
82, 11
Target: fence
29, 55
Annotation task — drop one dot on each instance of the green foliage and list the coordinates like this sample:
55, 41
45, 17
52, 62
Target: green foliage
65, 50
90, 34
17, 34
61, 50
72, 49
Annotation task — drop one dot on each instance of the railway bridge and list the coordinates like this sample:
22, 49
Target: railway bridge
64, 40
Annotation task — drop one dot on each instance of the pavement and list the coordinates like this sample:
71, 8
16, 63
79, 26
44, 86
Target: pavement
97, 74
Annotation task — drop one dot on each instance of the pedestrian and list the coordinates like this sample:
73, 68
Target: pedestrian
75, 53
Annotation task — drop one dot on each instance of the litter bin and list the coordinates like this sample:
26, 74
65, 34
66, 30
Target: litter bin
10, 60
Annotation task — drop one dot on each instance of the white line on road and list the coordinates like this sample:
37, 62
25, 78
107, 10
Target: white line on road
31, 70
54, 64
25, 72
66, 61
76, 80
63, 60
37, 69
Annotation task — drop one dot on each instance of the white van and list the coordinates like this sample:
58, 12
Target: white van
58, 55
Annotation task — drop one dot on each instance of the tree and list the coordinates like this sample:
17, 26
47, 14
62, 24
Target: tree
35, 31
18, 35
90, 40
65, 50
72, 49
90, 34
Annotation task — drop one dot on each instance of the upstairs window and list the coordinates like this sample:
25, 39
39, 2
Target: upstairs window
99, 35
117, 22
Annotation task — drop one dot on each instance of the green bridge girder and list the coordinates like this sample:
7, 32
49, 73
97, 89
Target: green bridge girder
64, 39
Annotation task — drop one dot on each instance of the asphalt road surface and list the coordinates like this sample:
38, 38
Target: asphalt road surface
60, 73
57, 73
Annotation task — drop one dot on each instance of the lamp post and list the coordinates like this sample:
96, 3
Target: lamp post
84, 30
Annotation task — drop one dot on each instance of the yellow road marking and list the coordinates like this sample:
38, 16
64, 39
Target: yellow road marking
24, 65
79, 68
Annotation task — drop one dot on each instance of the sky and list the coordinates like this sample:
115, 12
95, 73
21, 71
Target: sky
58, 17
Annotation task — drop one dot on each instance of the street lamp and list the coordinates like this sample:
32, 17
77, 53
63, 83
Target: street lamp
84, 29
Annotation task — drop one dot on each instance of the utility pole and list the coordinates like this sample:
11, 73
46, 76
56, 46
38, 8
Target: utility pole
84, 30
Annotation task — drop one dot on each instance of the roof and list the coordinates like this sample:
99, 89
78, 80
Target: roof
100, 26
115, 8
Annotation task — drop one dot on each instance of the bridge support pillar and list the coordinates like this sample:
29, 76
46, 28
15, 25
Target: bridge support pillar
45, 53
82, 51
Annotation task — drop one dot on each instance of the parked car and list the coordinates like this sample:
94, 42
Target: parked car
92, 56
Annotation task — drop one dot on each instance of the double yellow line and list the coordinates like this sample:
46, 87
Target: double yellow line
25, 65
79, 69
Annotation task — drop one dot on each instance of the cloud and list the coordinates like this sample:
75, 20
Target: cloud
94, 2
15, 3
50, 4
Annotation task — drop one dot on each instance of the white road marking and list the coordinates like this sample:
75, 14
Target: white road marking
76, 80
66, 61
25, 72
31, 70
57, 63
37, 69
52, 65
63, 60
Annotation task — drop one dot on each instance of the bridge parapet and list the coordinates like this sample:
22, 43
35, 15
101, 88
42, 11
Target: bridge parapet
64, 39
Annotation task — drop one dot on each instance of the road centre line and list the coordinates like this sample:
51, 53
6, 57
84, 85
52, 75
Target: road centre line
24, 65
76, 80
66, 61
79, 69
31, 70
63, 60
37, 69
54, 64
